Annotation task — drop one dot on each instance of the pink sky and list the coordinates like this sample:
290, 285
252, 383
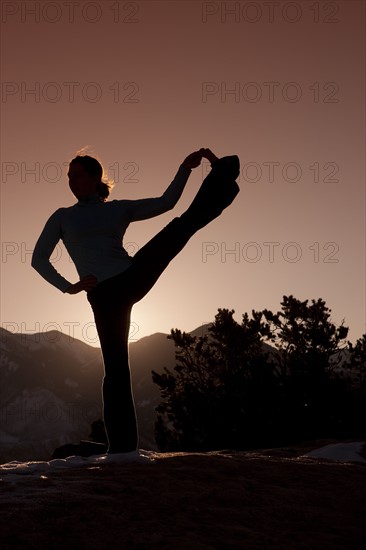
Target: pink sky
280, 84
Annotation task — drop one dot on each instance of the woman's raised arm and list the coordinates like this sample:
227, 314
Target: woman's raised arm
143, 209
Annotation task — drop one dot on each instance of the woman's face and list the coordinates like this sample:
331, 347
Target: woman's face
81, 183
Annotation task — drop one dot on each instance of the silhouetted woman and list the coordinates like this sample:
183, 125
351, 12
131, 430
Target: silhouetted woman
92, 231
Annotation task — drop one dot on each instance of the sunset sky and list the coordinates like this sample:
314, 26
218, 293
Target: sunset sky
281, 84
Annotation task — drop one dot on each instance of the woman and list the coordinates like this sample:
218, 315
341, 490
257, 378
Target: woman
92, 231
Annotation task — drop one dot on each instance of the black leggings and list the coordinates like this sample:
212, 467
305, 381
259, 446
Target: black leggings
112, 299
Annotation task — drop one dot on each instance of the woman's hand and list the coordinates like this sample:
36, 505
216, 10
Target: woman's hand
209, 155
86, 283
193, 160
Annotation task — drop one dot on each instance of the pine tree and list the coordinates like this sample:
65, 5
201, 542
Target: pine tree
272, 379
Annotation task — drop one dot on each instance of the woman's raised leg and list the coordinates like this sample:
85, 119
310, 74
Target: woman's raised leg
217, 192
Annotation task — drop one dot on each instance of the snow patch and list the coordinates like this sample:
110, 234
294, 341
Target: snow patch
341, 452
34, 469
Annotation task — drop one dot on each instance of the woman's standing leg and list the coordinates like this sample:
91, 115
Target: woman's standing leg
112, 318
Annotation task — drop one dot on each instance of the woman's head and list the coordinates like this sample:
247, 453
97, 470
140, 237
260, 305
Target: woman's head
86, 178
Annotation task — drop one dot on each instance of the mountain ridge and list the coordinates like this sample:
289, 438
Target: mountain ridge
50, 389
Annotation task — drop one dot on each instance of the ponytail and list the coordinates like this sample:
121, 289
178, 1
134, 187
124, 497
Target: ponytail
104, 189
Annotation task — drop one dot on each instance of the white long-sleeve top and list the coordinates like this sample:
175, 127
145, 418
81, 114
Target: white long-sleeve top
92, 232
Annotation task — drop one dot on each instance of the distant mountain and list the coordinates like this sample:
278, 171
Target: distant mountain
50, 390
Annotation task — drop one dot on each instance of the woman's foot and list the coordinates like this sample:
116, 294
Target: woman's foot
217, 192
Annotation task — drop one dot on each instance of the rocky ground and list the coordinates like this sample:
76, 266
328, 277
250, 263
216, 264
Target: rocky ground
275, 499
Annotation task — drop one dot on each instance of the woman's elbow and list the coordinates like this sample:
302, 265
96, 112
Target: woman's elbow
36, 261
